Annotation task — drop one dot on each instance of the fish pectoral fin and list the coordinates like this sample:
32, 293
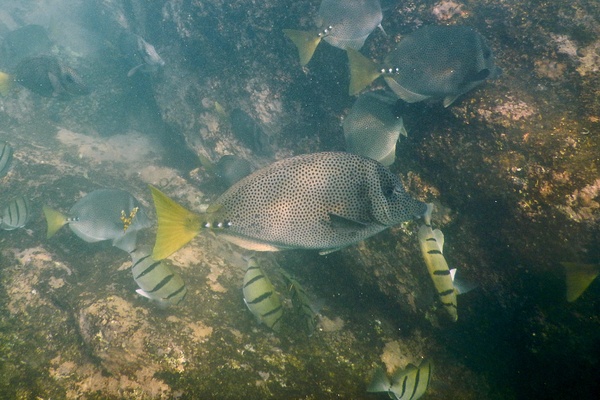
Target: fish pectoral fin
362, 71
329, 251
55, 220
213, 208
135, 69
176, 225
340, 223
143, 293
480, 76
579, 276
448, 100
55, 82
306, 42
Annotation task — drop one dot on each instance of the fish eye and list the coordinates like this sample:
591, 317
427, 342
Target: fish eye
69, 78
389, 191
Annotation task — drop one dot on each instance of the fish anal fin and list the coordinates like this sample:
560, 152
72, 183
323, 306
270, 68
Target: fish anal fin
55, 220
362, 71
176, 225
306, 42
579, 276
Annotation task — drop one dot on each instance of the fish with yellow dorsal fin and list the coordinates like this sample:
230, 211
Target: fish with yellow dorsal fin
322, 201
343, 24
579, 277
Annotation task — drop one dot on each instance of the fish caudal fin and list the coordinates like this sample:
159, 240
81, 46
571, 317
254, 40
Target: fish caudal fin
579, 277
55, 220
362, 71
306, 42
176, 225
5, 82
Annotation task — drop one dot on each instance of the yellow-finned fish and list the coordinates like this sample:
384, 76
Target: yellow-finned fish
439, 62
156, 279
405, 384
322, 201
260, 296
343, 24
432, 244
579, 277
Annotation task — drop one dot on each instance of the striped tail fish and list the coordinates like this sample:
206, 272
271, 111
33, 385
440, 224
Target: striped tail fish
432, 244
156, 279
6, 154
16, 214
405, 384
260, 296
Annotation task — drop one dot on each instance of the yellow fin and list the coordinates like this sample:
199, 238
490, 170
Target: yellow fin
5, 82
306, 42
362, 71
176, 225
579, 277
55, 220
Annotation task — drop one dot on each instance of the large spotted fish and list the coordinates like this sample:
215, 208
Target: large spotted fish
323, 201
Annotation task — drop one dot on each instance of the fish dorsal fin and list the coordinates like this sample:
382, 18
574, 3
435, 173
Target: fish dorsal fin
579, 277
176, 225
439, 238
55, 220
340, 223
306, 42
362, 71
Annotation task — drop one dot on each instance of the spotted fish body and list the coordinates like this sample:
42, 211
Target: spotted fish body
260, 296
157, 280
323, 201
432, 244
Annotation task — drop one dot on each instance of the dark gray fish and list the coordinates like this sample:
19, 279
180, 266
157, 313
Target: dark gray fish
48, 77
6, 154
156, 279
431, 62
324, 201
29, 40
249, 132
104, 214
16, 214
139, 53
231, 169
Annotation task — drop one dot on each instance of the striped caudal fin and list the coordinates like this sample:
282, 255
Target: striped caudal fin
261, 298
16, 214
432, 243
6, 154
157, 280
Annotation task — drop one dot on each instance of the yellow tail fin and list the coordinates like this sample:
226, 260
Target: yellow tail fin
362, 71
579, 277
176, 225
55, 220
306, 42
5, 82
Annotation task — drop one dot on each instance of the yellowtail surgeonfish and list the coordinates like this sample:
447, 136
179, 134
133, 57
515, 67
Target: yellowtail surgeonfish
323, 201
157, 280
342, 23
260, 296
104, 214
6, 154
432, 244
372, 128
16, 214
579, 277
432, 62
405, 384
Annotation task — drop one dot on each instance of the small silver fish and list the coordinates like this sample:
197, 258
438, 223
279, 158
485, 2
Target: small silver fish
260, 296
139, 52
16, 214
48, 77
104, 214
157, 280
6, 154
323, 201
432, 62
372, 129
406, 384
342, 23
